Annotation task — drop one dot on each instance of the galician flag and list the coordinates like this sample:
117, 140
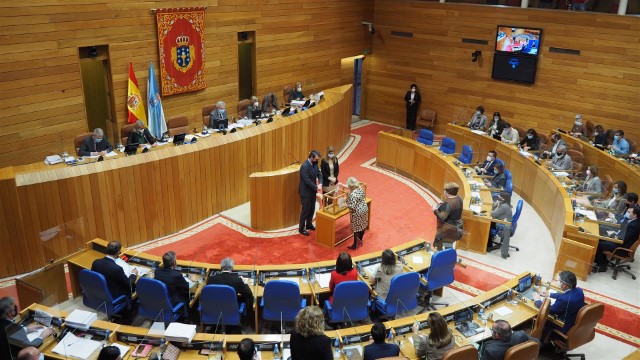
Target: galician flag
134, 99
157, 122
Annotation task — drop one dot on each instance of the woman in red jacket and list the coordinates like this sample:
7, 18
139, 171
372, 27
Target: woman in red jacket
344, 272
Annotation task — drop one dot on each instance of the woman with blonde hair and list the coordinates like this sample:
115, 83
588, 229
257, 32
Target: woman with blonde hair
308, 340
592, 184
357, 204
254, 108
439, 341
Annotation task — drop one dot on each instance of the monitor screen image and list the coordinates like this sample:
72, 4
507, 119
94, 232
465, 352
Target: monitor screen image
517, 40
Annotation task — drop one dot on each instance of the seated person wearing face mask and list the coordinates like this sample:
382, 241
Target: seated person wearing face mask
578, 128
557, 141
509, 135
619, 146
530, 142
496, 126
487, 166
499, 179
478, 120
254, 111
568, 302
219, 114
141, 135
13, 336
628, 233
561, 161
502, 339
296, 93
95, 145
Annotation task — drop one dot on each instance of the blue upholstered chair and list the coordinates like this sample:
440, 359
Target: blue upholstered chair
425, 137
155, 303
440, 273
403, 291
281, 301
466, 155
96, 295
219, 305
350, 302
448, 146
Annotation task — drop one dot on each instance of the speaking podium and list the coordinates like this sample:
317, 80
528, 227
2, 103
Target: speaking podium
275, 202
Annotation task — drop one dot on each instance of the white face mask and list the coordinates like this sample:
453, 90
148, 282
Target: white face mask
489, 158
256, 104
413, 90
496, 118
330, 156
299, 89
478, 112
578, 123
588, 172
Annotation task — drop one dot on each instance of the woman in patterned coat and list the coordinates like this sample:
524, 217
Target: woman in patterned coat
357, 204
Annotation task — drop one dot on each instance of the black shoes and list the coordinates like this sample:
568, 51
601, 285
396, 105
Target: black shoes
312, 228
505, 256
304, 232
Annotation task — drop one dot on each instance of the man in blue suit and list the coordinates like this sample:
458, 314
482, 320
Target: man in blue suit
380, 349
487, 166
310, 183
568, 302
629, 233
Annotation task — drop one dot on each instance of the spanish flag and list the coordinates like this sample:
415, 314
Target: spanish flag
135, 104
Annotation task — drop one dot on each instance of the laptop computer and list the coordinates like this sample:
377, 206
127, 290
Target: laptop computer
465, 324
525, 288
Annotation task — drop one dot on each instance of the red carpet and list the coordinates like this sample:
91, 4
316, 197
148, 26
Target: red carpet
389, 225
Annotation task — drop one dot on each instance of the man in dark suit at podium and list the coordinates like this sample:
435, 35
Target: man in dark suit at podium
117, 282
310, 183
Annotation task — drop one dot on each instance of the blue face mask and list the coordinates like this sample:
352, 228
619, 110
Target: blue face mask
627, 216
41, 357
615, 191
98, 140
616, 138
529, 136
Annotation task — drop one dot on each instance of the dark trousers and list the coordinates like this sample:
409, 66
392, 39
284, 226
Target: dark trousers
412, 113
603, 245
306, 215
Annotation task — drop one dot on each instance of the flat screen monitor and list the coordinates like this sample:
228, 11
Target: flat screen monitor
220, 124
131, 149
256, 114
179, 138
513, 67
518, 40
524, 283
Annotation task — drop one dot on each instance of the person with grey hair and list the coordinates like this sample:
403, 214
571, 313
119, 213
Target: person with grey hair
561, 160
227, 277
13, 336
95, 145
254, 110
502, 339
177, 285
141, 135
30, 353
219, 113
357, 204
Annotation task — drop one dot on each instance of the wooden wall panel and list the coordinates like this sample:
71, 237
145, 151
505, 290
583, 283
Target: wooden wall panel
601, 83
41, 99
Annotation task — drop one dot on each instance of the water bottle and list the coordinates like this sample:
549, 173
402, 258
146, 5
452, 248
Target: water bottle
390, 337
276, 352
312, 276
304, 276
252, 278
481, 315
203, 273
162, 343
336, 349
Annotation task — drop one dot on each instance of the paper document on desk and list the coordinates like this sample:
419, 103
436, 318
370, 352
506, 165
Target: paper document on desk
142, 271
42, 317
111, 154
502, 311
417, 259
81, 319
74, 346
590, 214
353, 352
323, 280
53, 159
475, 208
561, 173
372, 269
123, 349
479, 132
203, 135
525, 153
35, 334
286, 354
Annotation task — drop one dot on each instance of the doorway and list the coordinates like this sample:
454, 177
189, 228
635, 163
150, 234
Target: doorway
97, 88
357, 85
246, 64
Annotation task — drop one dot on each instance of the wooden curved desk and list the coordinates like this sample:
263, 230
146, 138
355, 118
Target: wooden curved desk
575, 249
138, 198
274, 198
429, 168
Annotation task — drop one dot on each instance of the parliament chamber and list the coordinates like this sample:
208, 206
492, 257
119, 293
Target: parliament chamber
55, 220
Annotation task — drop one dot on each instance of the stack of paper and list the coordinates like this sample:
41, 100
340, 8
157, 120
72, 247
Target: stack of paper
74, 346
479, 132
81, 319
180, 332
590, 214
42, 317
323, 280
372, 269
53, 159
